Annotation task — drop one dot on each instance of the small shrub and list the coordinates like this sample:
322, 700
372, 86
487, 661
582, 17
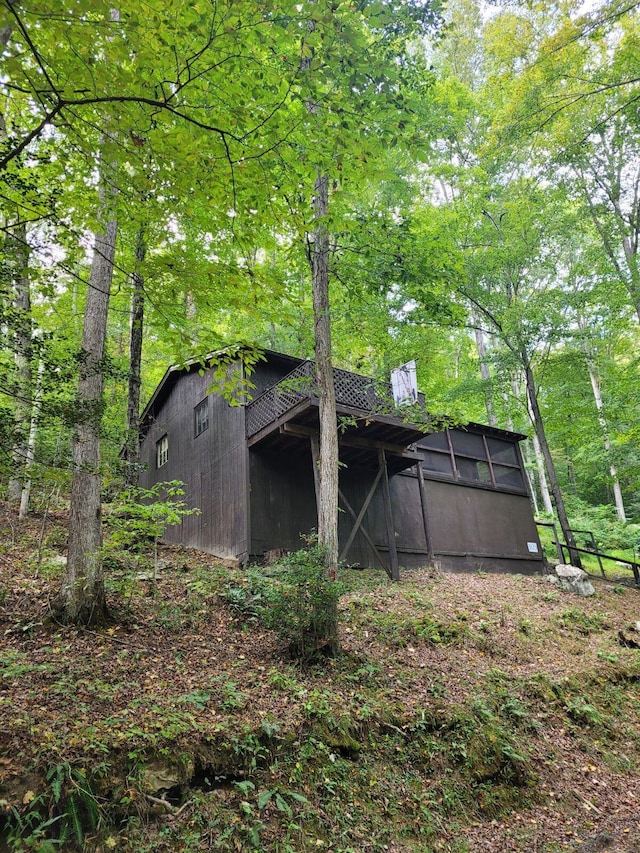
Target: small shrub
525, 627
301, 604
139, 518
59, 817
583, 712
246, 601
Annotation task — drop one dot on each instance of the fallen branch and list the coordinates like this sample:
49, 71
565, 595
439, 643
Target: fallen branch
586, 802
174, 811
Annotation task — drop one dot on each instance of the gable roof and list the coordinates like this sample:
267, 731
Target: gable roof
175, 372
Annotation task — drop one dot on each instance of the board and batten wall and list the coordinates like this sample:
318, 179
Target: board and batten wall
471, 527
212, 465
253, 501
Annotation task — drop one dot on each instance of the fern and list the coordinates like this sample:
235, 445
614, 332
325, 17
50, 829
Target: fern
55, 777
76, 820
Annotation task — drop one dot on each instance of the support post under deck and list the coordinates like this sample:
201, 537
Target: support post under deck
425, 511
388, 515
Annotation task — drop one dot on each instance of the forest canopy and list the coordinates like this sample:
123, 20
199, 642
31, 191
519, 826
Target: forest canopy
161, 170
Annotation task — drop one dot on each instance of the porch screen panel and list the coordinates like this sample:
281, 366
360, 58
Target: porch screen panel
502, 451
473, 469
437, 462
508, 476
468, 444
472, 457
506, 467
437, 454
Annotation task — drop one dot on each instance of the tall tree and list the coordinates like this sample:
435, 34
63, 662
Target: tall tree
16, 268
82, 598
132, 446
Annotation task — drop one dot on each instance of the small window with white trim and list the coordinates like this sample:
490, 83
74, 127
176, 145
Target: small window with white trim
162, 451
201, 417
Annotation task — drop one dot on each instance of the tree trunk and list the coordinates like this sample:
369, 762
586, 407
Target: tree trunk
83, 597
554, 486
18, 256
132, 450
31, 445
540, 465
542, 477
328, 473
524, 449
597, 396
486, 376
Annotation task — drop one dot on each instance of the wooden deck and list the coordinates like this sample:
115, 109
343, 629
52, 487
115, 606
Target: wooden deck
285, 416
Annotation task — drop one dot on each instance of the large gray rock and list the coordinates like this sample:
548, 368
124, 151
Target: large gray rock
573, 580
161, 775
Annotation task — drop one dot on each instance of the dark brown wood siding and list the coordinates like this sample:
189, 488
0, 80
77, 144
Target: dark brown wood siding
282, 501
270, 372
212, 466
257, 500
471, 527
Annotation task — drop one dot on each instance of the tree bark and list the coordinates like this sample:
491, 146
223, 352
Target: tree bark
540, 464
31, 445
132, 450
542, 477
597, 396
82, 598
524, 449
486, 376
18, 255
554, 485
328, 473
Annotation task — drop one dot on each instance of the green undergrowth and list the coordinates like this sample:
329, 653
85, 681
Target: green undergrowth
369, 750
356, 767
345, 774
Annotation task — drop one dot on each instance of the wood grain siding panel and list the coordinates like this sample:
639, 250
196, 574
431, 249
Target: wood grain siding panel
282, 501
212, 466
268, 374
257, 499
471, 527
355, 485
481, 522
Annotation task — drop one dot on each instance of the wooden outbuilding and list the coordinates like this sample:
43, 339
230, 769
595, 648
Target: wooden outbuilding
409, 496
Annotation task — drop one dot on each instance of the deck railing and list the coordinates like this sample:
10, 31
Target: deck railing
352, 390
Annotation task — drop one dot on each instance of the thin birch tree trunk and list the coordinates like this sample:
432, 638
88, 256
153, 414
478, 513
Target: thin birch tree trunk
18, 251
542, 477
486, 376
132, 450
530, 478
31, 445
540, 465
597, 396
554, 485
544, 490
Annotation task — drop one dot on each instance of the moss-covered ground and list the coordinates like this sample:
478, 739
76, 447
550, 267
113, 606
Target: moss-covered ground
466, 713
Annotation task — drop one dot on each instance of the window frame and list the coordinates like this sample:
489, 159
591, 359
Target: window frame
162, 450
200, 424
458, 460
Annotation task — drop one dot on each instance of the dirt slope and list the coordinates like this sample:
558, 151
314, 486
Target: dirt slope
466, 713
